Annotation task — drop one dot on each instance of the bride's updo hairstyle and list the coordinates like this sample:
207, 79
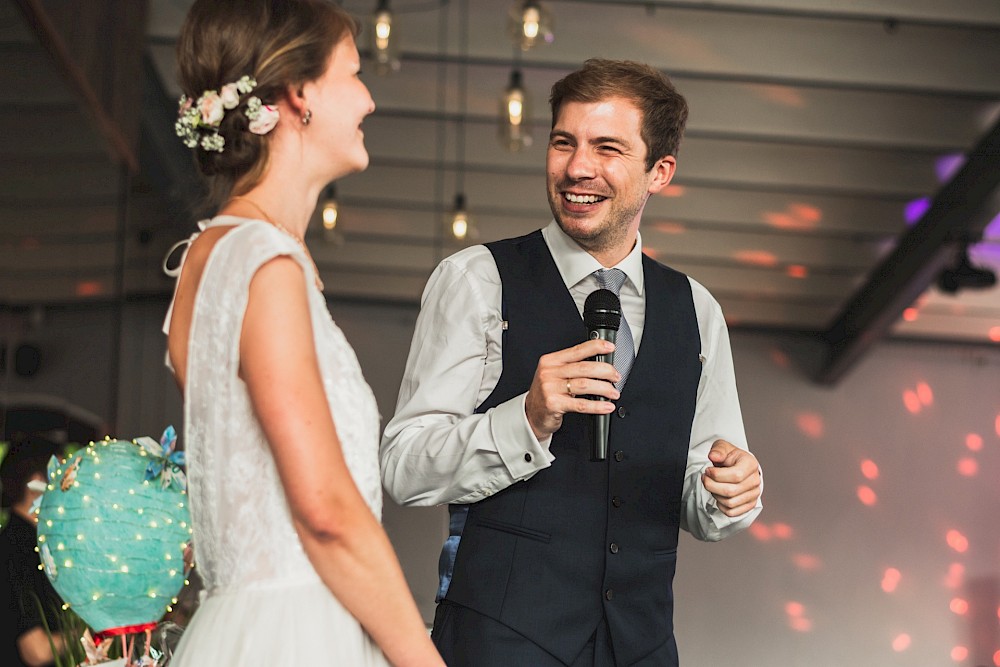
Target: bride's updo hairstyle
277, 43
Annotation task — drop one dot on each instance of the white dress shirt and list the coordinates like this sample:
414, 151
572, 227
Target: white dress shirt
435, 450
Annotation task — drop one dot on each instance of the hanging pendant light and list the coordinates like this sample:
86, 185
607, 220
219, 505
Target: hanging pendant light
530, 23
330, 215
385, 40
515, 133
460, 223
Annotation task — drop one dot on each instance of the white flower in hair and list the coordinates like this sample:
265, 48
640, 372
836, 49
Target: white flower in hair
213, 142
211, 107
263, 117
198, 122
230, 96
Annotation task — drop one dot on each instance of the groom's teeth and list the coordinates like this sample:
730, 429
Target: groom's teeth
583, 199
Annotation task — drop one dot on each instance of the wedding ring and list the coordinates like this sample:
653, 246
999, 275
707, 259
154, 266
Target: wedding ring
569, 390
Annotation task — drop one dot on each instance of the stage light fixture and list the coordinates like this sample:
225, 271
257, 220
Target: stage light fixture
963, 275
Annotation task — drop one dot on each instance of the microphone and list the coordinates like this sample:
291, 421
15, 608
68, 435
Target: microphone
602, 313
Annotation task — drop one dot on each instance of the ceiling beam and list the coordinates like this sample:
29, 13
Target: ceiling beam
50, 38
958, 214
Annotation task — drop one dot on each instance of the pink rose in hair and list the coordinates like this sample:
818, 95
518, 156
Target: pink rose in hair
265, 119
211, 107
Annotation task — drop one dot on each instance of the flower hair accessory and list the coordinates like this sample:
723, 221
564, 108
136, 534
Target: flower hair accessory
198, 120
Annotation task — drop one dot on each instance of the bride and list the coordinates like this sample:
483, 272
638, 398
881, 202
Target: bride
281, 429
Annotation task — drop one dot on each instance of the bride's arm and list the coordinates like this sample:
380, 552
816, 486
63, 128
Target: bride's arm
344, 541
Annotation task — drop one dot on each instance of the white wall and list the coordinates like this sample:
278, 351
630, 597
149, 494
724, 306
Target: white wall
804, 587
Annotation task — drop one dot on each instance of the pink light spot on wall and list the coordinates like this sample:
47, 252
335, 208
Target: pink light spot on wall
779, 358
782, 531
968, 467
794, 609
669, 227
652, 252
672, 191
800, 624
760, 531
806, 562
901, 642
959, 606
869, 469
867, 496
994, 334
974, 442
996, 659
811, 424
796, 271
996, 424
783, 95
956, 573
88, 288
911, 314
957, 541
806, 212
911, 401
924, 393
755, 257
959, 653
890, 579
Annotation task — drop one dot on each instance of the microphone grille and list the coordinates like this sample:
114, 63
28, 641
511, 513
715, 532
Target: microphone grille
602, 310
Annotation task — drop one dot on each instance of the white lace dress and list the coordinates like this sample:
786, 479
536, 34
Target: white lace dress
263, 604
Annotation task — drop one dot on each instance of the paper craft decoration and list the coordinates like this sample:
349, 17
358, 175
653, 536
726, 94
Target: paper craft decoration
113, 526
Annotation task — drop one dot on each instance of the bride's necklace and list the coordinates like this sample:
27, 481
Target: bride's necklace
302, 244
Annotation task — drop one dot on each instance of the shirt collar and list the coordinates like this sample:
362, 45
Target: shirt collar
575, 263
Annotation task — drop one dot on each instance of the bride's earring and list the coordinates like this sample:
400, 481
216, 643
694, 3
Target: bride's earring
307, 116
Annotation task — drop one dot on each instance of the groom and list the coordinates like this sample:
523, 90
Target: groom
555, 559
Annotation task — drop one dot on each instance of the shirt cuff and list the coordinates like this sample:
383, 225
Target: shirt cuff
519, 449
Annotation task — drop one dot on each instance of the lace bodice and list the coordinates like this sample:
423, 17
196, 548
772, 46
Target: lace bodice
243, 533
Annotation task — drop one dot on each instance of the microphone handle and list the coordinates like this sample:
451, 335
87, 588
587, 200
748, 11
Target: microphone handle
602, 423
600, 447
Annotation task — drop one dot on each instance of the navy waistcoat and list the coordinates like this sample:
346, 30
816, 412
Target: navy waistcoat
550, 555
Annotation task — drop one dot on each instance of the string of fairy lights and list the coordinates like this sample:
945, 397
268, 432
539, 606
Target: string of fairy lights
112, 541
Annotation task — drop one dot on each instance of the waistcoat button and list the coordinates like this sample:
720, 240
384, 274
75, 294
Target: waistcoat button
614, 548
622, 411
619, 455
608, 594
616, 501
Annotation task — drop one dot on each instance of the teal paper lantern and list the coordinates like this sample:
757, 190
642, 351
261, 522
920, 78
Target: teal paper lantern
113, 526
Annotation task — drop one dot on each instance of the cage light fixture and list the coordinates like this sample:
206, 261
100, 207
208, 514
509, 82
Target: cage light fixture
460, 222
515, 110
330, 215
384, 40
530, 23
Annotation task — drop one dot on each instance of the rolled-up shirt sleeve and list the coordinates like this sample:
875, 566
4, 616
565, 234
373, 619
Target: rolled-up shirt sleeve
435, 449
717, 416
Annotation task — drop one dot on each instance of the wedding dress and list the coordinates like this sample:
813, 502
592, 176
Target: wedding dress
263, 602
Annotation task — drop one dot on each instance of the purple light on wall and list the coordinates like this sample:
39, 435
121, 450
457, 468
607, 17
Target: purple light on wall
915, 209
989, 251
947, 165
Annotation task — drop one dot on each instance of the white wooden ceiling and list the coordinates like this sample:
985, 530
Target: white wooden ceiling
814, 125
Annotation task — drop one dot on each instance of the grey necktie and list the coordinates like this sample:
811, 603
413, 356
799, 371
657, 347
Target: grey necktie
613, 279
